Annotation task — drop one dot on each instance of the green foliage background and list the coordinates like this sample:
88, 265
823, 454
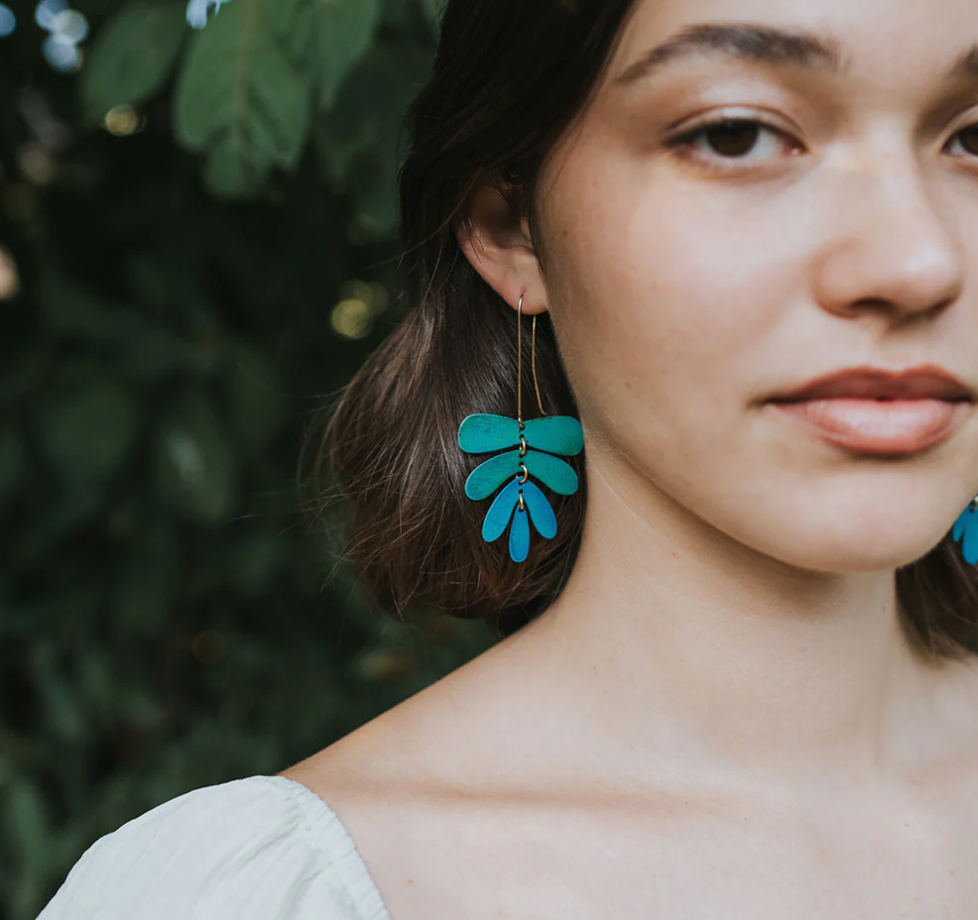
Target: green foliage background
166, 615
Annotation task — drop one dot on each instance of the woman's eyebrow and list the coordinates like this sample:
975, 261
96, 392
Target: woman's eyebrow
764, 45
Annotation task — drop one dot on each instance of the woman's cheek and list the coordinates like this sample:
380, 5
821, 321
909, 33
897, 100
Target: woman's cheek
666, 296
636, 320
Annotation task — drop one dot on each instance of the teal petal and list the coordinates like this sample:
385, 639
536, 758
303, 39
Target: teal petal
959, 524
552, 472
969, 547
501, 510
556, 434
489, 476
541, 513
519, 536
483, 434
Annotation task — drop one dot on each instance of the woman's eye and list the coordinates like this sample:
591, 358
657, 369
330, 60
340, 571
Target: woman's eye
729, 139
969, 140
732, 140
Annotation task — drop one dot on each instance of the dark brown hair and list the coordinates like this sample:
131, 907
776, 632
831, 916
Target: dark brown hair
510, 77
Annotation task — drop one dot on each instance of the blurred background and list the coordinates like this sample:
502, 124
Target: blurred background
198, 248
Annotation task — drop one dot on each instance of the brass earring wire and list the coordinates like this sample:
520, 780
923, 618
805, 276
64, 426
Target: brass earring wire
519, 391
537, 440
519, 364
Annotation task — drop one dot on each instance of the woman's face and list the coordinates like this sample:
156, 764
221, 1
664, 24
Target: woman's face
688, 284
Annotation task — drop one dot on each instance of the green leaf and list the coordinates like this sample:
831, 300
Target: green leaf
88, 431
329, 36
434, 10
241, 99
62, 710
365, 114
377, 204
359, 141
228, 174
26, 823
195, 469
132, 56
400, 14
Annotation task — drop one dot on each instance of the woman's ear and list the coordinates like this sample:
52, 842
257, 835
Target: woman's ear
496, 240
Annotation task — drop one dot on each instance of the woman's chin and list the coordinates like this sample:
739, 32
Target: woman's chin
850, 558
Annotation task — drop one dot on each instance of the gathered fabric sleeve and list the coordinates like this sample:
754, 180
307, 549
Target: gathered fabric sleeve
262, 848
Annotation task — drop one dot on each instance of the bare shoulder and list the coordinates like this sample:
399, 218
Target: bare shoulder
451, 738
375, 780
422, 789
424, 741
475, 779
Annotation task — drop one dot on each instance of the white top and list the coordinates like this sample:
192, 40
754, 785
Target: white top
262, 848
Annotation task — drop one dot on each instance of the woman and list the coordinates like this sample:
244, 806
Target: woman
743, 683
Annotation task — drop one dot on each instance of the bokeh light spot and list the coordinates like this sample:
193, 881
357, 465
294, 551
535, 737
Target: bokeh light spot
186, 457
9, 278
62, 55
36, 163
352, 319
46, 11
122, 120
71, 25
8, 21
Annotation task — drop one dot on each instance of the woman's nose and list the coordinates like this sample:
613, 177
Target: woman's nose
894, 241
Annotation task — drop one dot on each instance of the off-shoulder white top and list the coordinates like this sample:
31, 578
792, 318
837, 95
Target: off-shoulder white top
262, 848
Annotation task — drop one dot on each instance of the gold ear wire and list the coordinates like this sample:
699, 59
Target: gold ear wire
519, 364
536, 384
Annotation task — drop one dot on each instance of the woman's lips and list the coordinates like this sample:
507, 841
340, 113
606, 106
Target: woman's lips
892, 426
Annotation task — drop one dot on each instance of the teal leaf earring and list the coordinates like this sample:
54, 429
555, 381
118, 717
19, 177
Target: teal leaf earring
966, 527
521, 501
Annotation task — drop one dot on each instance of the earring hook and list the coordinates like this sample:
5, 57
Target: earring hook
519, 364
536, 383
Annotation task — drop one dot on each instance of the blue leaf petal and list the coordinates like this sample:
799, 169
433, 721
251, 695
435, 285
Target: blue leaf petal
482, 434
541, 513
556, 434
501, 510
969, 547
489, 476
551, 471
519, 536
959, 524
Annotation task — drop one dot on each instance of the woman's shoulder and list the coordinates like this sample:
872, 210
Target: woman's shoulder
263, 847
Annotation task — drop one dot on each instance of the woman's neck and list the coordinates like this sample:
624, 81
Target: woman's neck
673, 641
